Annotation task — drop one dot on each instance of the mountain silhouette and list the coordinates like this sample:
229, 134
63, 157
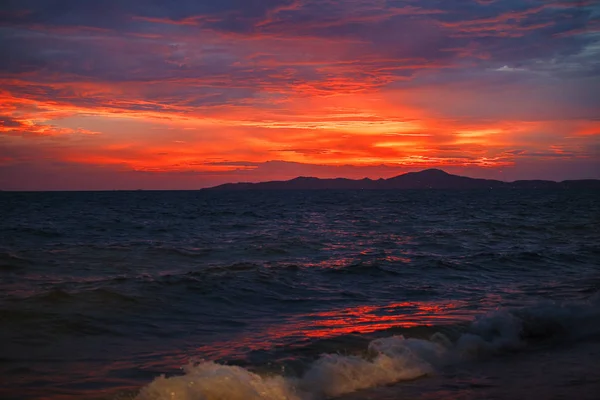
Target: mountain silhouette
426, 179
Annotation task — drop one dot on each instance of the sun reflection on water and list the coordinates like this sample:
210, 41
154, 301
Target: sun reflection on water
302, 329
371, 318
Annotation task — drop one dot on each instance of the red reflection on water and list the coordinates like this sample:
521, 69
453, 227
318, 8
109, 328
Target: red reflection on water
347, 252
341, 262
302, 328
370, 318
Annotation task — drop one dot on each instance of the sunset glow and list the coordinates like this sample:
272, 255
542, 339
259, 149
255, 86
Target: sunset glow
126, 95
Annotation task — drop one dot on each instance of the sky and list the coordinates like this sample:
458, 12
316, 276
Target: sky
151, 94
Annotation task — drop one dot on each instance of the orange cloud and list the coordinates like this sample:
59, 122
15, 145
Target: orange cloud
363, 89
349, 129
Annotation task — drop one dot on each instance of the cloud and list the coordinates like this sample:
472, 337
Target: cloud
219, 86
274, 46
25, 127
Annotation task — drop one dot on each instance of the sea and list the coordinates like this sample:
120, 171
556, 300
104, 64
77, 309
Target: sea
300, 295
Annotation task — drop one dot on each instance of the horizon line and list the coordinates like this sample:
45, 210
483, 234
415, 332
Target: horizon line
295, 178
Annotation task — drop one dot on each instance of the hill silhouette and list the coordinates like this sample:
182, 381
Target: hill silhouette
426, 179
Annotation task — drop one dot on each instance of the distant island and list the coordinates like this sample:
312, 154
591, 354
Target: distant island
426, 179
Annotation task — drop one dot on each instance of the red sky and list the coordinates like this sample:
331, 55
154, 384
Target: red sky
182, 95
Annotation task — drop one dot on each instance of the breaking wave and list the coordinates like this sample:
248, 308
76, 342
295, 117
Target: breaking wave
387, 360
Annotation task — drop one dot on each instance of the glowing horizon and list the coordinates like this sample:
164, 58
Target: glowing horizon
184, 96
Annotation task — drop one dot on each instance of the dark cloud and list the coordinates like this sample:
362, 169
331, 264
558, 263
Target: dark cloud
234, 163
116, 13
8, 122
185, 54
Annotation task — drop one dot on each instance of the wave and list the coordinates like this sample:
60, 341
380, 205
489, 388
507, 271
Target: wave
10, 261
367, 268
330, 375
102, 296
387, 360
43, 232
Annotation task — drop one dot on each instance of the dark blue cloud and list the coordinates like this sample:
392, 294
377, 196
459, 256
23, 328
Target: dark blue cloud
201, 52
114, 13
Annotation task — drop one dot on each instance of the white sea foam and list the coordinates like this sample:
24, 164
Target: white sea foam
211, 381
393, 359
389, 360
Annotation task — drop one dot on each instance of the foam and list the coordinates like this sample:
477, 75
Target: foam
211, 381
395, 359
388, 360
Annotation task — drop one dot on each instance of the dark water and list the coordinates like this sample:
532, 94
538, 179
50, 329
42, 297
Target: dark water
300, 295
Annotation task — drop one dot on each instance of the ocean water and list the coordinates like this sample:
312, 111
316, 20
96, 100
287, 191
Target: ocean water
300, 295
